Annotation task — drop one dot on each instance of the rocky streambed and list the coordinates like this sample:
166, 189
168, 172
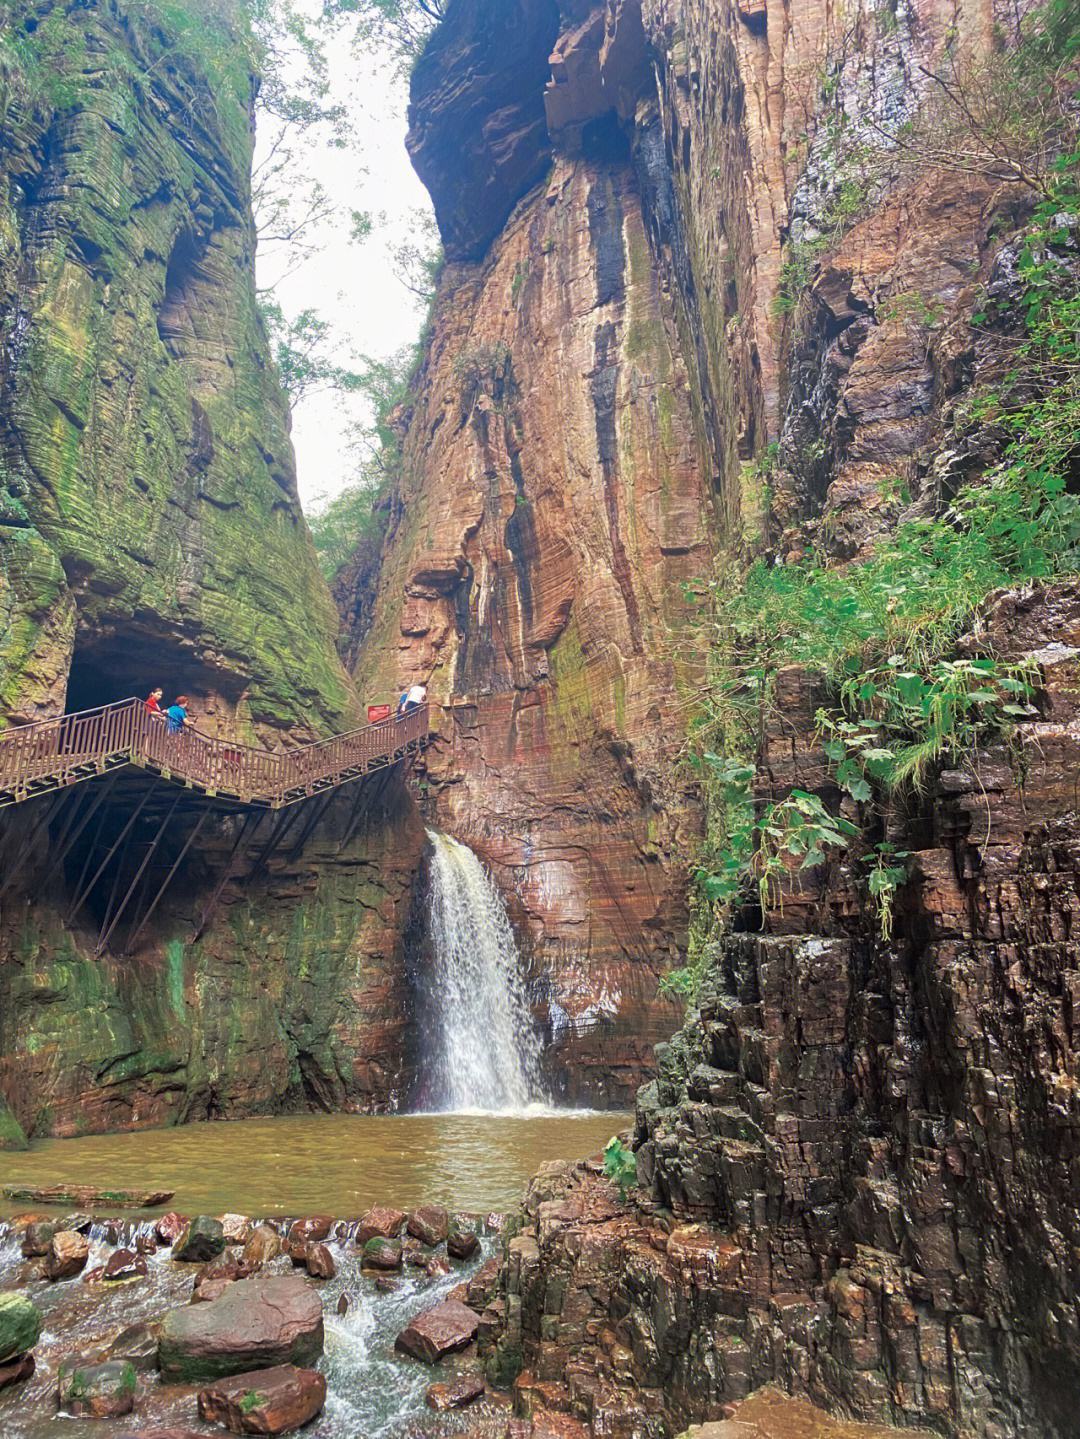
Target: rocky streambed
179, 1326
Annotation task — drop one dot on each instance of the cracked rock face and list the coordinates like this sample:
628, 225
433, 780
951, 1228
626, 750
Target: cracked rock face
554, 505
148, 510
552, 508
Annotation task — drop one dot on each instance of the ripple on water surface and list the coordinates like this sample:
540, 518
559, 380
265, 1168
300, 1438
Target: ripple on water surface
325, 1164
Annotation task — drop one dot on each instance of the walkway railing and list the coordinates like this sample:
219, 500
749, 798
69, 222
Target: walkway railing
36, 759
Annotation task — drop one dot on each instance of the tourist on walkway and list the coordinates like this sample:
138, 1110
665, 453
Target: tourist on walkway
177, 714
153, 701
414, 698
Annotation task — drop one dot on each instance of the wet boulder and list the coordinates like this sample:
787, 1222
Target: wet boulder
482, 1288
264, 1245
268, 1320
125, 1264
437, 1266
432, 1335
462, 1243
170, 1227
311, 1230
138, 1344
20, 1326
430, 1224
384, 1254
16, 1370
37, 1236
269, 1401
67, 1256
236, 1228
320, 1262
457, 1395
381, 1222
96, 1391
209, 1290
203, 1239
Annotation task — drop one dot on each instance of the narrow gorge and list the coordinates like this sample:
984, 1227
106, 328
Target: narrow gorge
733, 533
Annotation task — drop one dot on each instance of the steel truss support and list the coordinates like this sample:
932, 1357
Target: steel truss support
248, 827
84, 893
318, 809
111, 921
177, 862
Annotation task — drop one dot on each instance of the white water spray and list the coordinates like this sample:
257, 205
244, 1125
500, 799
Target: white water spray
487, 1052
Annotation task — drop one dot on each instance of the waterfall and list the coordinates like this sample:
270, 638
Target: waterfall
484, 1053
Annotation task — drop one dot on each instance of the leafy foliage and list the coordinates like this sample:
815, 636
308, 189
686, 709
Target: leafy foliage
620, 1165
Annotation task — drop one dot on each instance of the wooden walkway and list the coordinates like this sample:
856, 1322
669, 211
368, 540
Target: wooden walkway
41, 758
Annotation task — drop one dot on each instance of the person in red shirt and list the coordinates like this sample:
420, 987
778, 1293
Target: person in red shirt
153, 701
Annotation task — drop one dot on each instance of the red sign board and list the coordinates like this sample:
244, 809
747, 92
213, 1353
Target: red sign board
377, 713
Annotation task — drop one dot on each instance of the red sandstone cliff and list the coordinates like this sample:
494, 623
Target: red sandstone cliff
858, 1162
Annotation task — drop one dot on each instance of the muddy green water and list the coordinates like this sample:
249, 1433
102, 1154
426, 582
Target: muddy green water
332, 1164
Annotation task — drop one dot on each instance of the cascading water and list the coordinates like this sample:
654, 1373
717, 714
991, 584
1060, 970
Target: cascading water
484, 1053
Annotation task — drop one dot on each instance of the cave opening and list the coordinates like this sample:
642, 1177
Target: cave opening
128, 661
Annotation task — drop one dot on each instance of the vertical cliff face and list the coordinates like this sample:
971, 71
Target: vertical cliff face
150, 533
150, 522
857, 1162
553, 506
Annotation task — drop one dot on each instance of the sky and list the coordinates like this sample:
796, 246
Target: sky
352, 286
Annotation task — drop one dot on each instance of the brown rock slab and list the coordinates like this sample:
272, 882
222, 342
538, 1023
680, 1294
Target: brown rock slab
430, 1224
268, 1401
162, 1434
457, 1395
88, 1196
16, 1370
380, 1222
209, 1290
67, 1256
268, 1320
432, 1335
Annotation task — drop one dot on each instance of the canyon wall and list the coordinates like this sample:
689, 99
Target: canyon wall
148, 510
857, 1167
150, 533
554, 503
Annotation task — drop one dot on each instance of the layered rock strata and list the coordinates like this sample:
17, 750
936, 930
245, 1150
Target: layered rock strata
553, 507
150, 533
857, 1163
149, 517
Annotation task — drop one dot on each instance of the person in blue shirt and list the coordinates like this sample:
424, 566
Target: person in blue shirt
176, 715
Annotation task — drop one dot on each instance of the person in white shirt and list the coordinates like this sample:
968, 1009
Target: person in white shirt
416, 697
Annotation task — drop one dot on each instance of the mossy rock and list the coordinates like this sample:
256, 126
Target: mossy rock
20, 1325
11, 1131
